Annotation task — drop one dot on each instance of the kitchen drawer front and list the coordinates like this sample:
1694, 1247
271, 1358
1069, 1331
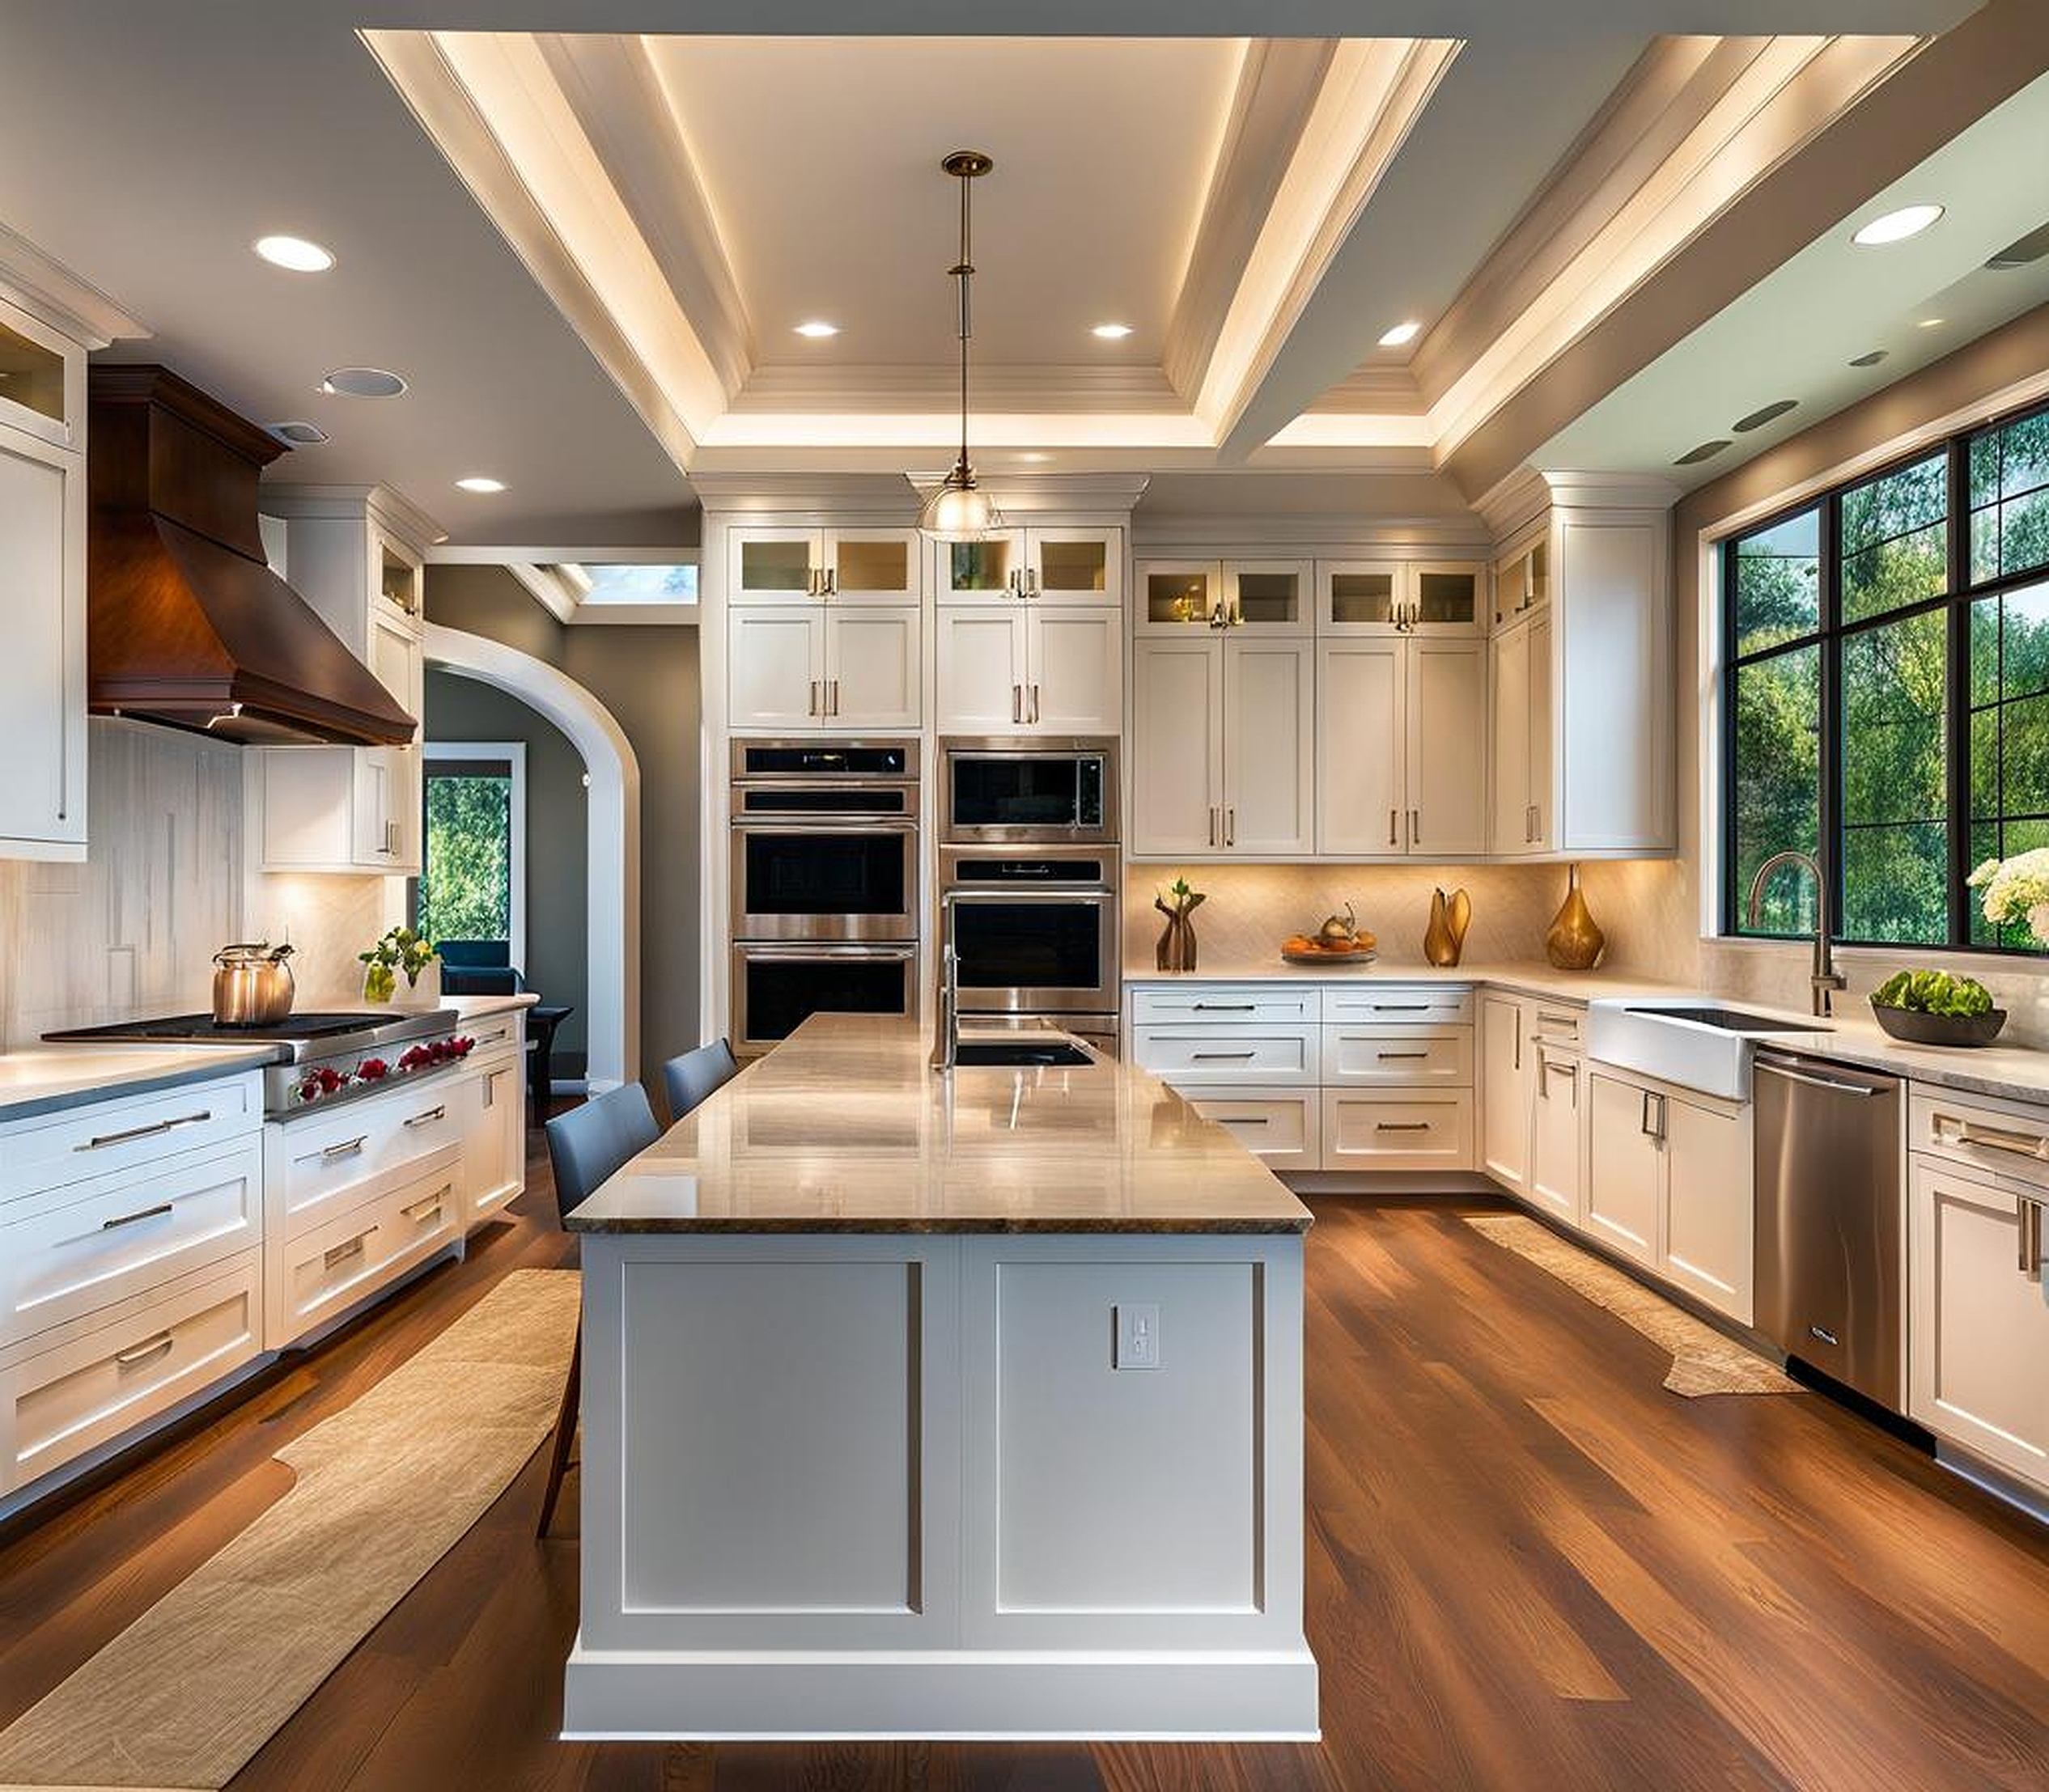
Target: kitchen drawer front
85, 1143
321, 1274
1192, 1055
328, 1164
1384, 1129
1397, 1056
495, 1037
1416, 1005
86, 1246
1554, 1023
1232, 1003
2009, 1138
57, 1404
1283, 1128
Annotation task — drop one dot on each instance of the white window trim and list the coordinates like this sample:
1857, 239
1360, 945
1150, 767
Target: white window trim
515, 752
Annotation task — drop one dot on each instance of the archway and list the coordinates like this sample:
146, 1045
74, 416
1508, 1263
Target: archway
613, 815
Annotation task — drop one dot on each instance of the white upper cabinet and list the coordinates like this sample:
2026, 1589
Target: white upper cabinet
1178, 596
856, 566
1523, 810
983, 671
1269, 747
1447, 748
1522, 582
1361, 747
1176, 746
1241, 595
1031, 668
1077, 564
771, 564
1447, 597
1360, 596
1224, 746
43, 670
776, 663
823, 667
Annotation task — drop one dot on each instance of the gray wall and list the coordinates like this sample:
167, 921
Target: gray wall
647, 678
557, 831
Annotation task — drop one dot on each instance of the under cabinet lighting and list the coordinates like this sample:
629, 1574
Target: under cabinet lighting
480, 482
1896, 226
1404, 332
294, 253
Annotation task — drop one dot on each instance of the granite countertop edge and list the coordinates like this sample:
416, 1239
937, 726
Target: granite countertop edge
996, 1225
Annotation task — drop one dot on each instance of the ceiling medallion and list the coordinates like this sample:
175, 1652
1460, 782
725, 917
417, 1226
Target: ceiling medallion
960, 511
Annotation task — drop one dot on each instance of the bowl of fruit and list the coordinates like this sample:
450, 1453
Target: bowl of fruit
1934, 1008
1340, 940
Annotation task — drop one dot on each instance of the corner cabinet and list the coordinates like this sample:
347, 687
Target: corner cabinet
42, 590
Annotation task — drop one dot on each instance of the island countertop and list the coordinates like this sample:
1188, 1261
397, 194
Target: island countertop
846, 1127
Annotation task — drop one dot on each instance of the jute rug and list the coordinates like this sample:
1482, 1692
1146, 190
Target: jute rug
1704, 1361
189, 1691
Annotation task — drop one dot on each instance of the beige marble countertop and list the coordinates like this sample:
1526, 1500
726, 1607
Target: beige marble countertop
846, 1127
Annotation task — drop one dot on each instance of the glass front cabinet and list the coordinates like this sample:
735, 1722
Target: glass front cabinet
1079, 565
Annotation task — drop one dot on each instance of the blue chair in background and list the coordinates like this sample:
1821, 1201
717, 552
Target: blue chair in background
689, 1079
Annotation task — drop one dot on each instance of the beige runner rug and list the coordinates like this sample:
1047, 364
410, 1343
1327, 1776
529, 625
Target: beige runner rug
1704, 1361
189, 1691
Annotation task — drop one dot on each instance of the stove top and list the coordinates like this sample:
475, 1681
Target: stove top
204, 1029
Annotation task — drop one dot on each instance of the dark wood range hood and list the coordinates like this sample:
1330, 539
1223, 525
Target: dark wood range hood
187, 625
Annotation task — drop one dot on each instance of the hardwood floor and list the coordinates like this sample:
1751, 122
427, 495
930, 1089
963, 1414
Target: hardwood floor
1529, 1567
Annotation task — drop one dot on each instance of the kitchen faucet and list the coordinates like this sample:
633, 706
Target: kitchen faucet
1826, 978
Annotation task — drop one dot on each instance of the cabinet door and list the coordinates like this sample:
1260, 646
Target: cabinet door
1083, 566
1360, 596
1362, 748
1447, 723
982, 572
981, 670
1270, 596
1074, 667
1506, 1063
43, 670
872, 668
1178, 595
1625, 1166
1269, 747
775, 665
1446, 597
1177, 746
873, 565
1554, 1169
375, 829
1543, 806
768, 564
1706, 1241
1978, 1328
397, 659
1510, 829
493, 1170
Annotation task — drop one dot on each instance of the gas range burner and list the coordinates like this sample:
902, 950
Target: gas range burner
321, 1058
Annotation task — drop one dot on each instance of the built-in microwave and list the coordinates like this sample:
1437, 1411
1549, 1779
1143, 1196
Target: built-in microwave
995, 791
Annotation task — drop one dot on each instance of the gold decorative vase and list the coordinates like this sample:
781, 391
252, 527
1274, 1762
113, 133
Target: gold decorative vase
1576, 941
1444, 941
1176, 950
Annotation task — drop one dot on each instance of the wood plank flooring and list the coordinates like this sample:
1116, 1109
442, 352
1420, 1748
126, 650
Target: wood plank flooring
1528, 1566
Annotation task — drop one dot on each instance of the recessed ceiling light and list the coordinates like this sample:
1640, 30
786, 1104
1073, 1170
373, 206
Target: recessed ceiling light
479, 482
817, 329
1706, 451
1929, 323
362, 383
295, 253
1870, 357
1763, 415
1896, 226
1034, 455
299, 434
1112, 333
1404, 332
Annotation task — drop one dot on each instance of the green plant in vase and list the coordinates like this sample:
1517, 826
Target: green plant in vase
399, 950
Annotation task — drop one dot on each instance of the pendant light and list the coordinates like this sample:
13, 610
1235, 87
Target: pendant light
960, 511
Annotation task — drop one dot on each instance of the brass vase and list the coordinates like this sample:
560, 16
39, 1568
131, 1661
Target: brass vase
1576, 941
1444, 941
1176, 950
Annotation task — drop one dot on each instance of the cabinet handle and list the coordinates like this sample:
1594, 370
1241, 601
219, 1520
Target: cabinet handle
1402, 1126
832, 581
1230, 827
432, 1204
1206, 1057
157, 1212
811, 708
1011, 584
1247, 1120
348, 1248
143, 1352
811, 583
134, 1132
833, 686
2030, 1216
1035, 703
1225, 1007
1031, 581
1416, 827
1393, 827
1212, 825
1391, 1057
1544, 1019
347, 1148
1016, 703
1991, 1138
1644, 1124
440, 1112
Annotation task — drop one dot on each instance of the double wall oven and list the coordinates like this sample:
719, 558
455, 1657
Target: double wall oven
1028, 880
823, 876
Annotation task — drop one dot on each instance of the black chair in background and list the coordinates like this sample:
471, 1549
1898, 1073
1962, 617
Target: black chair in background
586, 1146
689, 1079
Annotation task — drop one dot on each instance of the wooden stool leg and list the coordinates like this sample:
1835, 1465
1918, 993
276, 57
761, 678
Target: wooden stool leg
565, 1435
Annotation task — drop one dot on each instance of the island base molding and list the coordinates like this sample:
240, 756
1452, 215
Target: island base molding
941, 1696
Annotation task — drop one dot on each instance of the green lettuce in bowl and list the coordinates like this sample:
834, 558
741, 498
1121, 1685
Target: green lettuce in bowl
1934, 1008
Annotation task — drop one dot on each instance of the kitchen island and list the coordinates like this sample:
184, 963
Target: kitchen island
925, 1404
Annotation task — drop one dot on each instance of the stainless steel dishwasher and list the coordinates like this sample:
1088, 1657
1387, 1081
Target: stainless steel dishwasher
1827, 1152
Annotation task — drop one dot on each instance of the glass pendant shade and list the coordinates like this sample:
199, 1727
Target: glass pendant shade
960, 511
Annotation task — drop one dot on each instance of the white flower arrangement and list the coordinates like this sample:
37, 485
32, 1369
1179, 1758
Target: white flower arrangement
2015, 889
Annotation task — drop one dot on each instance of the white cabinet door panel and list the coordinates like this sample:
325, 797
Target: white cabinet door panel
1361, 747
1506, 1065
42, 673
1555, 1169
1177, 749
1270, 746
776, 662
1447, 748
1707, 1243
981, 657
872, 669
1624, 1167
1509, 829
1408, 1057
1393, 1129
1076, 666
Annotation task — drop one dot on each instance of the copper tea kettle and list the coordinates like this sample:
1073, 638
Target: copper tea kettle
252, 985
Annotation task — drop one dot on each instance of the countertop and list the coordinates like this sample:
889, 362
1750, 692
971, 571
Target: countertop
45, 1079
846, 1127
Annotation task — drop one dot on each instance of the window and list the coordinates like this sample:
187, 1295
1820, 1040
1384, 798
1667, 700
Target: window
1885, 653
471, 883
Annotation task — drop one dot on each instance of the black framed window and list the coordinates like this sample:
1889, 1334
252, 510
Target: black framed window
1886, 694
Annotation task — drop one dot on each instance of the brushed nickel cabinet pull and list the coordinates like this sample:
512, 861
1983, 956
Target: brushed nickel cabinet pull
1559, 1066
1231, 827
157, 1212
347, 1148
432, 1204
1016, 703
1389, 1055
834, 685
832, 582
1225, 1007
1248, 1120
1206, 1057
1212, 825
1996, 1138
1416, 827
348, 1248
150, 1131
811, 707
1393, 827
1035, 703
2030, 1216
1402, 1126
440, 1112
143, 1352
1400, 1007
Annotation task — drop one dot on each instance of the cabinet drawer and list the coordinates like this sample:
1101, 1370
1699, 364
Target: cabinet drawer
494, 1037
73, 1252
2010, 1138
330, 1164
1414, 1005
1188, 1056
1225, 1002
1382, 1129
1281, 1127
1400, 1057
1554, 1023
86, 1142
322, 1274
57, 1404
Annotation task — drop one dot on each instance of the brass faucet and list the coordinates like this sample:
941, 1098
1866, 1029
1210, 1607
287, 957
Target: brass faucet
1826, 979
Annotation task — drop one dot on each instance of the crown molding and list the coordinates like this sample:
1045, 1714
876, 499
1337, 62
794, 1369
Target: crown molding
417, 528
66, 301
1032, 494
1514, 503
1335, 534
787, 387
1373, 390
